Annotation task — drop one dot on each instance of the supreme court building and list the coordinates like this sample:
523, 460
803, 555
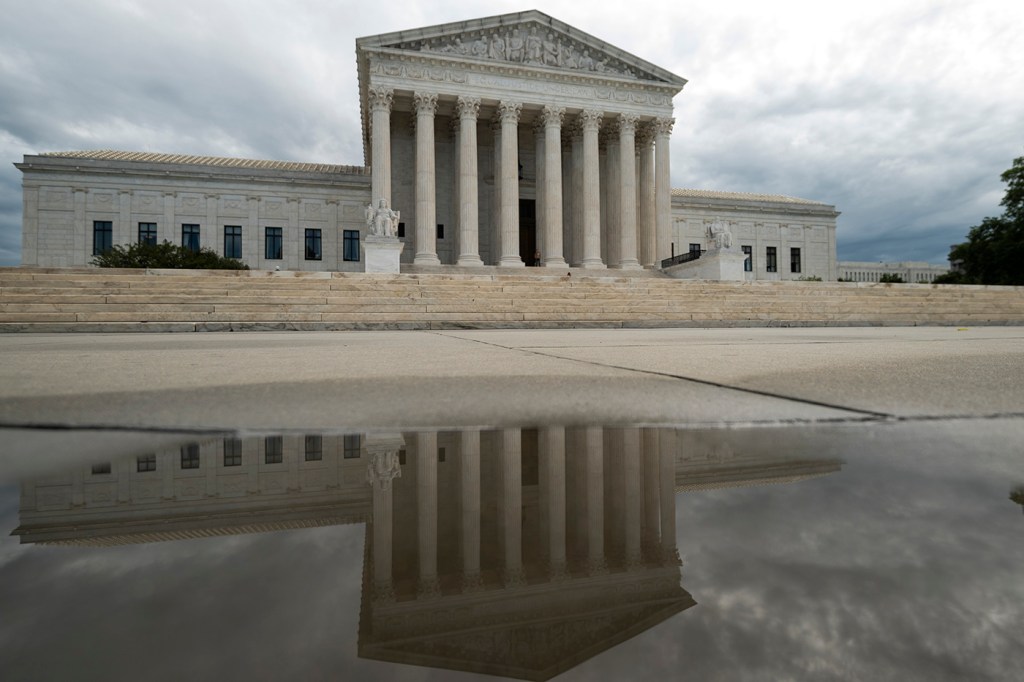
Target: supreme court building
497, 140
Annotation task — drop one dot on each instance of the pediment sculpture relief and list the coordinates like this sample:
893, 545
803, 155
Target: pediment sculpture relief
530, 45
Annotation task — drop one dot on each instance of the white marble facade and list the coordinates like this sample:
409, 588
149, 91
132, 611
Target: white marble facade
497, 139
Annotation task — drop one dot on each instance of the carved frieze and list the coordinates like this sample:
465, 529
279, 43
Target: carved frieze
529, 44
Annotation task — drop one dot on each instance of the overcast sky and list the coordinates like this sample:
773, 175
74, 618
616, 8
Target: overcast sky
901, 113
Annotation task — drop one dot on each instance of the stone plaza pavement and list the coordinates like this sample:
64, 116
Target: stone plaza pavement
436, 379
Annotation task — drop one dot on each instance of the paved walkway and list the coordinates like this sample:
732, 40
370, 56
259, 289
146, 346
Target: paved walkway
364, 380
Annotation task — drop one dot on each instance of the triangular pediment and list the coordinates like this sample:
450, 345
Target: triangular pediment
527, 39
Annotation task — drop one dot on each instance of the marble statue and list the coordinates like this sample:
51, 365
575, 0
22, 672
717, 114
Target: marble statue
719, 232
382, 221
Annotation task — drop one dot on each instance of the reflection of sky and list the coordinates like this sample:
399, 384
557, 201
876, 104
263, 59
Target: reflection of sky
904, 565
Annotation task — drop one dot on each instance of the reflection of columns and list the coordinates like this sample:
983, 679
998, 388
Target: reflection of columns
470, 487
380, 127
509, 112
645, 211
595, 500
663, 188
553, 256
512, 504
426, 190
631, 470
590, 122
382, 470
627, 197
467, 109
667, 474
649, 448
552, 462
426, 508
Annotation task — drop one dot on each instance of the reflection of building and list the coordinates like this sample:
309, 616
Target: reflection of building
519, 552
490, 150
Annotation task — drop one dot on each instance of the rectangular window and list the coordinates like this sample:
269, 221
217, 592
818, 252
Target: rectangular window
770, 264
794, 260
190, 237
314, 447
145, 463
232, 452
694, 247
232, 241
101, 468
440, 455
102, 236
274, 246
147, 233
351, 245
190, 456
401, 230
313, 241
352, 445
440, 231
748, 258
274, 449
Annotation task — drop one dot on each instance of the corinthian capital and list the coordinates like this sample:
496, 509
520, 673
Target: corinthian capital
663, 126
426, 103
644, 135
383, 468
627, 123
510, 111
468, 107
380, 98
552, 116
590, 119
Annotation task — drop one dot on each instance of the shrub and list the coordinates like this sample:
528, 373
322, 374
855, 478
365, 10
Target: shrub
890, 278
810, 278
165, 255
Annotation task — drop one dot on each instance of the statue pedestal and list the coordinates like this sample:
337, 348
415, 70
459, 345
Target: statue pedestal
723, 265
381, 254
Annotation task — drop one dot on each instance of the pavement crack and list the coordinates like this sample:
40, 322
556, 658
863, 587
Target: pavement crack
670, 375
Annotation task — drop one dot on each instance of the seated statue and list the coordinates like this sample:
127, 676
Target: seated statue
382, 221
719, 233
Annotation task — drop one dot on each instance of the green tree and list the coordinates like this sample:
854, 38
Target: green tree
165, 255
890, 278
994, 250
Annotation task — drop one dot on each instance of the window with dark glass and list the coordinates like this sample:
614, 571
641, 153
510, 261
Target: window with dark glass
314, 448
401, 230
145, 463
440, 231
794, 260
102, 236
351, 445
748, 258
440, 455
232, 452
232, 241
190, 456
350, 244
770, 264
694, 248
147, 233
101, 468
313, 243
274, 243
190, 237
274, 449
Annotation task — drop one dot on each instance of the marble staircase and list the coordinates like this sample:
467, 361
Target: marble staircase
92, 300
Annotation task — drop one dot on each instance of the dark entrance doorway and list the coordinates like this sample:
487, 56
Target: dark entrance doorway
527, 230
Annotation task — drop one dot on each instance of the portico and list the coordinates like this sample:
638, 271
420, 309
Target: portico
464, 122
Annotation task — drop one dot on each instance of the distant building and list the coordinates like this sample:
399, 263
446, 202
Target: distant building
912, 272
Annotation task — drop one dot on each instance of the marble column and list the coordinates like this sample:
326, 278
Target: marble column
552, 461
594, 438
645, 211
426, 183
590, 122
426, 512
552, 253
468, 108
470, 487
627, 197
509, 112
576, 188
380, 100
495, 245
662, 189
382, 470
512, 504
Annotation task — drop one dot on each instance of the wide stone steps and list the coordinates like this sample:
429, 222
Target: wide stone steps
49, 300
